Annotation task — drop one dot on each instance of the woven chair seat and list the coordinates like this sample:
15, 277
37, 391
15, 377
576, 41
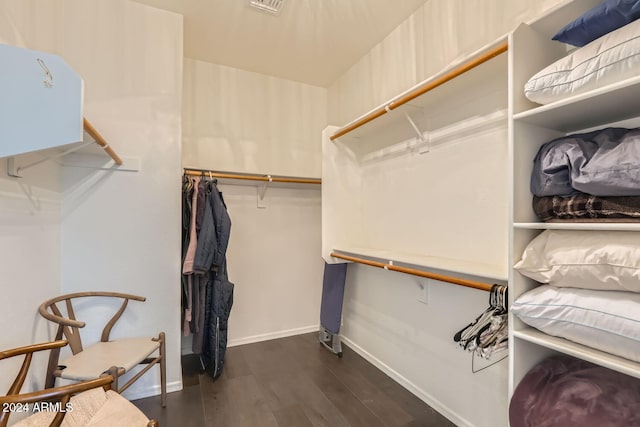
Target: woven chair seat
94, 360
92, 408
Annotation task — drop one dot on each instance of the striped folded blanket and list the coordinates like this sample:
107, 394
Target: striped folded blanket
585, 206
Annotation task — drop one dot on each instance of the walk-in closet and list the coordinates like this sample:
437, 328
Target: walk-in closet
320, 213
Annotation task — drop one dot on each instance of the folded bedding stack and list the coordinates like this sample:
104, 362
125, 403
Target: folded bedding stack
593, 175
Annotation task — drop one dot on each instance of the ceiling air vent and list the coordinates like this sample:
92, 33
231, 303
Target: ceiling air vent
270, 6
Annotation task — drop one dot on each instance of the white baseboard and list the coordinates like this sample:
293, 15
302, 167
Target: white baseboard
273, 335
417, 391
151, 391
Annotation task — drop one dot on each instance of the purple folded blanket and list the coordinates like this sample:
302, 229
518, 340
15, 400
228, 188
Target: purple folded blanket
586, 206
563, 391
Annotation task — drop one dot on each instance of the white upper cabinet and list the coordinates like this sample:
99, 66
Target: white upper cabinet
40, 102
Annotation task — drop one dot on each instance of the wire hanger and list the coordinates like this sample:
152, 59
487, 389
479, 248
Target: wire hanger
488, 334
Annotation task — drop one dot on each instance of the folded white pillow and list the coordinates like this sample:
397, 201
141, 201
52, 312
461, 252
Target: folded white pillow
604, 320
608, 59
604, 260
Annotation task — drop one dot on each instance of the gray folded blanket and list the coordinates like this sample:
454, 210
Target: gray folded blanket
605, 163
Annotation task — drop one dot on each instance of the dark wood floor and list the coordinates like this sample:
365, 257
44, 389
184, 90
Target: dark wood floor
293, 382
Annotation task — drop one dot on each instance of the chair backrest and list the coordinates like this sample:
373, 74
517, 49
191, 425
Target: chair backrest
68, 325
14, 399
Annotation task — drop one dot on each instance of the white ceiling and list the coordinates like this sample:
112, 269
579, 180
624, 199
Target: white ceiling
311, 41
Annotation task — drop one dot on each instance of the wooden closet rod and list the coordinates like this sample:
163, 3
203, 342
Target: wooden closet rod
461, 69
449, 279
252, 177
101, 141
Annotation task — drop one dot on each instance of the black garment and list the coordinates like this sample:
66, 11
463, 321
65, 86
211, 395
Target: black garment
187, 196
219, 294
223, 226
218, 308
215, 230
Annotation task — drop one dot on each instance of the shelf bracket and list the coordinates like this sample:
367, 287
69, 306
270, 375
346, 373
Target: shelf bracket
422, 140
15, 171
262, 191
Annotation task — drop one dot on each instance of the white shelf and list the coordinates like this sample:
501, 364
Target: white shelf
392, 126
592, 226
612, 103
429, 263
562, 345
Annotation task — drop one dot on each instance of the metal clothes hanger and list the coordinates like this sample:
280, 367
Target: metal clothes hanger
488, 333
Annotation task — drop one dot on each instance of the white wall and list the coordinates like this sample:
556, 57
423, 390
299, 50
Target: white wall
29, 246
29, 261
413, 342
274, 261
382, 318
115, 231
240, 121
439, 33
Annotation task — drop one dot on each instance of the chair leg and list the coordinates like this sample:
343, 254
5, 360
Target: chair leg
113, 371
50, 378
163, 370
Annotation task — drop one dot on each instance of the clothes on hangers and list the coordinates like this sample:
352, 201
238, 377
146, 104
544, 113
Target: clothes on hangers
207, 292
214, 233
187, 265
187, 262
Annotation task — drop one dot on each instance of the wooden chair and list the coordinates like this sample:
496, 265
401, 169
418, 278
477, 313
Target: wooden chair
88, 403
88, 363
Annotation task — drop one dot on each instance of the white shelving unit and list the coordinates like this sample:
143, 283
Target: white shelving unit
411, 185
531, 125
